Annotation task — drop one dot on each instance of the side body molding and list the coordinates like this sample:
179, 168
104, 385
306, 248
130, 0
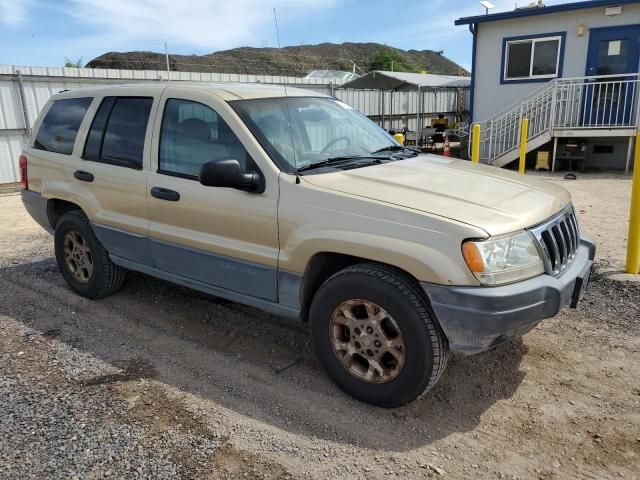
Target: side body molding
236, 280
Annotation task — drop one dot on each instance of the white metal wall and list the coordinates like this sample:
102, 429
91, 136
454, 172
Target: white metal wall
404, 103
10, 148
40, 83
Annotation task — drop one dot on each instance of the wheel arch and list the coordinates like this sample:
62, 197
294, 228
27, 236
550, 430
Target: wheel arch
323, 265
57, 207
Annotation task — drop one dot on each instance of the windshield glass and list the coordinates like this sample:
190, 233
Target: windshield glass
321, 128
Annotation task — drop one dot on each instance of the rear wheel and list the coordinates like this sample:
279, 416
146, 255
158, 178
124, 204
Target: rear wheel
83, 261
372, 331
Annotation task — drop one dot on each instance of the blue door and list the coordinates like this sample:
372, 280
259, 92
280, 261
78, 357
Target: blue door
613, 56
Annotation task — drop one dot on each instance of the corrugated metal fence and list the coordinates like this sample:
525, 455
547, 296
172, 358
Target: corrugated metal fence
400, 109
25, 90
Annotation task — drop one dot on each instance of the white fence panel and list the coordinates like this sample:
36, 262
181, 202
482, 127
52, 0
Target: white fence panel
10, 148
10, 114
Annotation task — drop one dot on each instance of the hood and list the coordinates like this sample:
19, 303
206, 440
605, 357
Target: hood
495, 200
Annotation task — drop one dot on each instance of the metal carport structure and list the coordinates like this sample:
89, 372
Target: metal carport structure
407, 82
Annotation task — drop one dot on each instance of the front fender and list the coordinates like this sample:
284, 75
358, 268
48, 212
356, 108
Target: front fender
418, 259
314, 220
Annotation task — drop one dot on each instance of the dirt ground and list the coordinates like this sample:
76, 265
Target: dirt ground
159, 381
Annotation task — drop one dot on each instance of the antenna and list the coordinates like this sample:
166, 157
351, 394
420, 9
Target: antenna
487, 6
284, 81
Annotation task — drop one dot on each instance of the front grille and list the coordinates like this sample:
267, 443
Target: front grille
558, 240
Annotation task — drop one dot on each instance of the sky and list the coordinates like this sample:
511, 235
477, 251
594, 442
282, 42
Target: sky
45, 32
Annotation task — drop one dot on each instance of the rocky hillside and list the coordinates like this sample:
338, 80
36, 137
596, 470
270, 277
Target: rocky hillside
291, 61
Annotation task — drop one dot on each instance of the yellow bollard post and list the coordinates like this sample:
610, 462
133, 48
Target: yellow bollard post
475, 144
633, 242
524, 134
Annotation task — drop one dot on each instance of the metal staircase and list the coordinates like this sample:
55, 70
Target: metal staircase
565, 107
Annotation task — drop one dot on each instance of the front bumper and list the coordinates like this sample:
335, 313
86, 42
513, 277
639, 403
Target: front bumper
475, 319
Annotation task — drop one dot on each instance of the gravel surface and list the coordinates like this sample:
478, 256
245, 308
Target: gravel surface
159, 381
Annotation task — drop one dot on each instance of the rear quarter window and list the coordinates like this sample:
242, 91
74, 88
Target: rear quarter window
60, 125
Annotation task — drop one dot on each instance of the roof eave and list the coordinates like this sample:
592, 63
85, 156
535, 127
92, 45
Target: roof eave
564, 7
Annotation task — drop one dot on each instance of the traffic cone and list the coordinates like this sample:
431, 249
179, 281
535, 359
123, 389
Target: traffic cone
446, 152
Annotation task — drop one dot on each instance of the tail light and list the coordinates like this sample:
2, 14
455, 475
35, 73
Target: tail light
24, 180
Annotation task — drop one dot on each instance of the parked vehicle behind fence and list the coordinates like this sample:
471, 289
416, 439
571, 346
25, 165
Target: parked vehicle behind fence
297, 204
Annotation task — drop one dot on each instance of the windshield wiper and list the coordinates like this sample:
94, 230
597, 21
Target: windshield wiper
394, 148
340, 160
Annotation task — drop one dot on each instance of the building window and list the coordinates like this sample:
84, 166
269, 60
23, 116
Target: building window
532, 59
602, 149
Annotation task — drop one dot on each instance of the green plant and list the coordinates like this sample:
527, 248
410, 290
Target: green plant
71, 64
388, 59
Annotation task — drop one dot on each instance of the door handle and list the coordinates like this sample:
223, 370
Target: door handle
83, 176
165, 194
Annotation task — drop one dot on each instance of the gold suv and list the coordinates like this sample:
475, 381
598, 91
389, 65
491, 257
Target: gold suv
297, 204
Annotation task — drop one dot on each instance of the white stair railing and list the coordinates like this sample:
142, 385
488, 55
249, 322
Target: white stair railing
500, 134
609, 101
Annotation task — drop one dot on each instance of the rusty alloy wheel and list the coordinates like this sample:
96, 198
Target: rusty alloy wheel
367, 341
77, 256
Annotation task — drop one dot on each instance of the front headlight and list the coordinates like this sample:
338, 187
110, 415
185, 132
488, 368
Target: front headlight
504, 259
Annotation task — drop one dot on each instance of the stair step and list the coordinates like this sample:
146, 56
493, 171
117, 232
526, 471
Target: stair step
512, 155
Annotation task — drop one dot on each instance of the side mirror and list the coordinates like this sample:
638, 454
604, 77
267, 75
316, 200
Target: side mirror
229, 174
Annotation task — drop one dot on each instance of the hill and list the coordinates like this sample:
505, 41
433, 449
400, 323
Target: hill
291, 61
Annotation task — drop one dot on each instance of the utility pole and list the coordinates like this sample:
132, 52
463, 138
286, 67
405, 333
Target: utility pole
166, 56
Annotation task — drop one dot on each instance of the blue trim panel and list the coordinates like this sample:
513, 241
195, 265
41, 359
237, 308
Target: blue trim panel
229, 273
530, 12
267, 306
120, 243
36, 205
475, 319
216, 272
563, 39
289, 284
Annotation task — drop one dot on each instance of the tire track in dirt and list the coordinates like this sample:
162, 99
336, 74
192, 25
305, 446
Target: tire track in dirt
242, 385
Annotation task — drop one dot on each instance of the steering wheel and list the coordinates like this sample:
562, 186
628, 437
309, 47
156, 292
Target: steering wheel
334, 141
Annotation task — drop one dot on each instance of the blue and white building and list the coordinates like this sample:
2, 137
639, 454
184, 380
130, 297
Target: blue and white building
572, 69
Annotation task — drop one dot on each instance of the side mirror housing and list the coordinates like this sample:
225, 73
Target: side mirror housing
228, 173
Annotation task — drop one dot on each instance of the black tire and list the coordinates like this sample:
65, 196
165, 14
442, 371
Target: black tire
426, 349
106, 277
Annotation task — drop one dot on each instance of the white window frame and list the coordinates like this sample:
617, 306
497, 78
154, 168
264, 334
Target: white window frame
533, 42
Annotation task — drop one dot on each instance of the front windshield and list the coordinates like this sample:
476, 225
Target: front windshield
321, 128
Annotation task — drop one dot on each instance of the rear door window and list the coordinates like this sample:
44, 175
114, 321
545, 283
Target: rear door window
60, 125
118, 131
93, 143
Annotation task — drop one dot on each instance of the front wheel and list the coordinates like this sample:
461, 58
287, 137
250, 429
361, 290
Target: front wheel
371, 329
